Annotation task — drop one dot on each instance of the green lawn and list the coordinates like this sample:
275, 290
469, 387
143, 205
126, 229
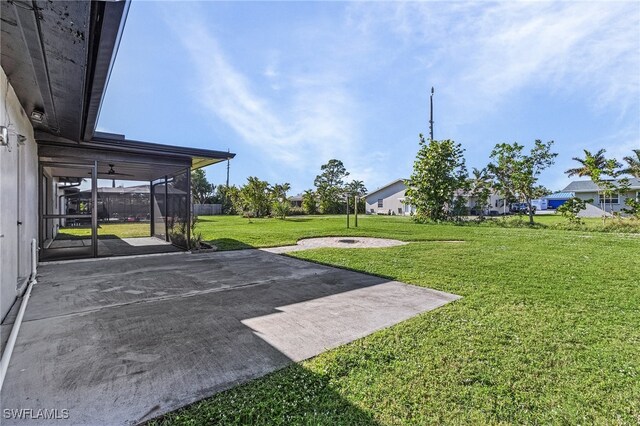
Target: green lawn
548, 331
108, 230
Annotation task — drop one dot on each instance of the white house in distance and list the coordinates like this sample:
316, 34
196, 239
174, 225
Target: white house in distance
587, 190
390, 200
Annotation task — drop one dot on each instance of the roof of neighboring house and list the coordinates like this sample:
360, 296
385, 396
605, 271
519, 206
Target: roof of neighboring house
296, 197
385, 187
559, 196
589, 186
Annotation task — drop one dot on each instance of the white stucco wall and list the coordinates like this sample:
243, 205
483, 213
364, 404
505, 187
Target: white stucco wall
18, 197
390, 196
609, 207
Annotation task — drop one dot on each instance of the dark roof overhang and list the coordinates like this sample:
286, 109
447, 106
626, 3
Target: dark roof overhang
57, 56
109, 145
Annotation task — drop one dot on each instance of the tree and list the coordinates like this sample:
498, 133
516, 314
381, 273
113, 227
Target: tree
522, 169
502, 171
201, 189
309, 202
572, 207
226, 197
588, 164
599, 169
280, 206
438, 171
633, 164
279, 191
480, 187
329, 185
256, 197
356, 188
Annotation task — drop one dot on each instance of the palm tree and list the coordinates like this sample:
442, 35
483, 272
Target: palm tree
633, 162
480, 189
356, 187
589, 163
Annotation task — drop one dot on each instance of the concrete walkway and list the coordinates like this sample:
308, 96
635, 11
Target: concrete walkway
121, 340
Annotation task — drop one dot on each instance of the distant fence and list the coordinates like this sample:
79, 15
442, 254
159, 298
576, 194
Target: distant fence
206, 209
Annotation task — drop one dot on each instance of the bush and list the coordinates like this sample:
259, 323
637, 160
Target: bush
572, 207
296, 211
280, 209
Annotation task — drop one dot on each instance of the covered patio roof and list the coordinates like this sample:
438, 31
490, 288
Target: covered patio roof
132, 160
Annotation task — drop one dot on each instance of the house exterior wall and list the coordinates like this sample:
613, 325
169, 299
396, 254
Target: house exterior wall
390, 196
616, 207
18, 197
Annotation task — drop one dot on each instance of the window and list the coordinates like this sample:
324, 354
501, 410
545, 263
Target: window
380, 203
610, 199
399, 210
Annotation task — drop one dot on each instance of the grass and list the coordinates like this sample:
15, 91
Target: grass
548, 331
118, 230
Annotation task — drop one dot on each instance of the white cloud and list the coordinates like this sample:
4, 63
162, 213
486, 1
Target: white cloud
312, 125
491, 50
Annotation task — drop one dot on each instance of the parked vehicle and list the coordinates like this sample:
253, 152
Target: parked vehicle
540, 204
521, 208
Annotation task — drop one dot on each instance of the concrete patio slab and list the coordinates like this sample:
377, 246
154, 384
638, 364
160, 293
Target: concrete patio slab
121, 340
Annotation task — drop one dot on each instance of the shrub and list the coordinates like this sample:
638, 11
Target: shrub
296, 211
572, 207
280, 209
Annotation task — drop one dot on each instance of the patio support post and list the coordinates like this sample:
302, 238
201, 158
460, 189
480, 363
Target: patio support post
166, 208
94, 208
151, 209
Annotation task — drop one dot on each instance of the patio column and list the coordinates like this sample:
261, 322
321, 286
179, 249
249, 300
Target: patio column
94, 208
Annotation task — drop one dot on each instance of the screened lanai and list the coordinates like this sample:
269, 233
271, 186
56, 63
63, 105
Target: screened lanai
115, 197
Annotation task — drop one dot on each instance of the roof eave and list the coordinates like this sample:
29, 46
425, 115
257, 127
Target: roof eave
109, 19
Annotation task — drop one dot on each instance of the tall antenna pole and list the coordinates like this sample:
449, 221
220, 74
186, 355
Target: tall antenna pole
431, 115
228, 165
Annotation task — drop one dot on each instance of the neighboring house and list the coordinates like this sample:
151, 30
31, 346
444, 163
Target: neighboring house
496, 205
389, 199
557, 199
55, 64
296, 200
586, 189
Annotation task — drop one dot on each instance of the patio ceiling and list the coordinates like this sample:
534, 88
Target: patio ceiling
57, 56
137, 160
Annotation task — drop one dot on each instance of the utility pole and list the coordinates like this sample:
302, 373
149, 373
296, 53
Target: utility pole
431, 115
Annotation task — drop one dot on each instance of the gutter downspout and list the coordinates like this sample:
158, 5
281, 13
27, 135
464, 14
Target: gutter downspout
8, 350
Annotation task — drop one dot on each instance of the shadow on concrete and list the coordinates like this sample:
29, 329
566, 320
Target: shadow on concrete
68, 247
123, 340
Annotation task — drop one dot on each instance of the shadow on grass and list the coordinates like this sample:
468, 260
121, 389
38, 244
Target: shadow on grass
293, 395
224, 244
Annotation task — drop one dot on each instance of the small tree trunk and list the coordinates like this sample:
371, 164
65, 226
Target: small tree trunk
530, 211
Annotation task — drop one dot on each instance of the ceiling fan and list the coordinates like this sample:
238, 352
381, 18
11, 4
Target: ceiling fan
111, 172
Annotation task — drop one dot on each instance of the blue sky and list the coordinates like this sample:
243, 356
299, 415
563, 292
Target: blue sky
288, 86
